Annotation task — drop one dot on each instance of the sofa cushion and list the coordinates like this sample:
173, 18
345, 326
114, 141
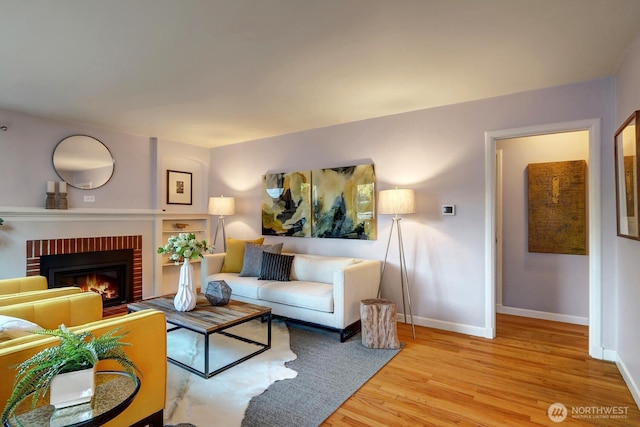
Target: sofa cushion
317, 269
276, 267
253, 258
241, 286
235, 254
13, 327
310, 295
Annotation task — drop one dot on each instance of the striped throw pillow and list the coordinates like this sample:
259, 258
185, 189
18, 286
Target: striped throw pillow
275, 267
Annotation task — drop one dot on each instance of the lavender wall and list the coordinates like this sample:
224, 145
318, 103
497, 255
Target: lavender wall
184, 158
440, 153
628, 251
26, 164
127, 204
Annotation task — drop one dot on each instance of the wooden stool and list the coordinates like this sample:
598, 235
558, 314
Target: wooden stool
379, 329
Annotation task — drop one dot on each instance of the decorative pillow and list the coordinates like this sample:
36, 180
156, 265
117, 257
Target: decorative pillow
253, 258
13, 327
235, 254
311, 269
275, 267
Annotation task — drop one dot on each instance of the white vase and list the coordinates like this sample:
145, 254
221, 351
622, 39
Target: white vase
72, 388
186, 298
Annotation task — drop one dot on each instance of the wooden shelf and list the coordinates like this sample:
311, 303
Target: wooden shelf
168, 271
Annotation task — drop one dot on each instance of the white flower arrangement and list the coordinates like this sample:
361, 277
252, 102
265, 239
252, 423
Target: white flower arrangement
184, 245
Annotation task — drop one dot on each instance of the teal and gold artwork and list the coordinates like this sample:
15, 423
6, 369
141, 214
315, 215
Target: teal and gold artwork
335, 202
285, 204
343, 203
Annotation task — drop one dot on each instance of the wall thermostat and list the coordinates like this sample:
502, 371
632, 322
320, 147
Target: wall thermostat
448, 209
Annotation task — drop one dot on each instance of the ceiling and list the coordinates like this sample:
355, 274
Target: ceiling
216, 72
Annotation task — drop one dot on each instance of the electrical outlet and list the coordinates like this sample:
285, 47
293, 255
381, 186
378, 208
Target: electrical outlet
89, 199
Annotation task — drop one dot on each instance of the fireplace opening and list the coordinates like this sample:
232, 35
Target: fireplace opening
108, 273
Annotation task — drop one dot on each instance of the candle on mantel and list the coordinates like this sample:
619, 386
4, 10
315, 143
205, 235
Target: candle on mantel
62, 187
51, 187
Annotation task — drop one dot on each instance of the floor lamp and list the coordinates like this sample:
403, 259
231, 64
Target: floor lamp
396, 202
221, 207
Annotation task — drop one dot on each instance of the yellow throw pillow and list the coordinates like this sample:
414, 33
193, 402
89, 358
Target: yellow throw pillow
235, 254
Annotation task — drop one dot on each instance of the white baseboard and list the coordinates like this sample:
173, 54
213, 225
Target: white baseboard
628, 379
477, 331
577, 320
609, 355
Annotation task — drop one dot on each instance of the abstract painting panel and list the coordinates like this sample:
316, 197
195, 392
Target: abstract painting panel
286, 204
343, 202
557, 207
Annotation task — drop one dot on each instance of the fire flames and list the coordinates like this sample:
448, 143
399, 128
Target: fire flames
101, 285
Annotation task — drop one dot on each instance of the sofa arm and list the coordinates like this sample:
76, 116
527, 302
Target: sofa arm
211, 264
23, 284
350, 286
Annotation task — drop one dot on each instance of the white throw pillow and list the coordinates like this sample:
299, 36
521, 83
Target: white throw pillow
310, 269
13, 327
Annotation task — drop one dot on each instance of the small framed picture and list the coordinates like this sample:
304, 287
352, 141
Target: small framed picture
179, 190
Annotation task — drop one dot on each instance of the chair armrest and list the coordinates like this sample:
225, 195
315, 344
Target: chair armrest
353, 284
72, 310
147, 334
29, 296
23, 284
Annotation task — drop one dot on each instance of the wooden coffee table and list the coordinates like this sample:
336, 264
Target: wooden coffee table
205, 320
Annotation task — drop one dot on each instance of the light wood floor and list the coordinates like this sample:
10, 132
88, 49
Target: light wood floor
444, 378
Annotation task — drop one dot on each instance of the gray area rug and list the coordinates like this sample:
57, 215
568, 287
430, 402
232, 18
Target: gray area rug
329, 372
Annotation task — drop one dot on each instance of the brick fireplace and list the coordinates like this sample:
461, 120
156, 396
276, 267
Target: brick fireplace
39, 248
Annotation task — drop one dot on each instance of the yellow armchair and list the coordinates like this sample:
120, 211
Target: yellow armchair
146, 331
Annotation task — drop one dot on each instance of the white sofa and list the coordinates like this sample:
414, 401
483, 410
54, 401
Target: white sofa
323, 290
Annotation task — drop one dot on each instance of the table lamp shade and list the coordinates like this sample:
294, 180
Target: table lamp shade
222, 206
396, 201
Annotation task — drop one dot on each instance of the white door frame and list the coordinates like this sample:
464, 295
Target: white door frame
595, 223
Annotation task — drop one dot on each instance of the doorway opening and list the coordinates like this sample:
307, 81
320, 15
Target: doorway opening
594, 227
542, 265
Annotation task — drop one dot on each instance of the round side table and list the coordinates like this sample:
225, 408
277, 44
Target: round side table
114, 393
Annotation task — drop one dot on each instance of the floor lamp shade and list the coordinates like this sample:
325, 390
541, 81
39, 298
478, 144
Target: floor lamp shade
222, 206
396, 202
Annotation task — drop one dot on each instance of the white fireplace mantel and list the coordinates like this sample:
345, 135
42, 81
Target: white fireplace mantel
34, 223
87, 214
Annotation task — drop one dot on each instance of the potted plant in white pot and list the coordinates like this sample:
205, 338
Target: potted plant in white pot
76, 353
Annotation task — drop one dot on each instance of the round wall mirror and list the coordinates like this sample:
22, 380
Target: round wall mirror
83, 162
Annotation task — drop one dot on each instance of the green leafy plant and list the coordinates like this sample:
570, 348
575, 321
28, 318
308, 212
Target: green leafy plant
75, 352
184, 245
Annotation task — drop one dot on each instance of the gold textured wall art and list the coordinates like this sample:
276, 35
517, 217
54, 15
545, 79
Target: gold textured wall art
557, 193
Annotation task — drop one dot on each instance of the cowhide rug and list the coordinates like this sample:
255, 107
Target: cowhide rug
223, 399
